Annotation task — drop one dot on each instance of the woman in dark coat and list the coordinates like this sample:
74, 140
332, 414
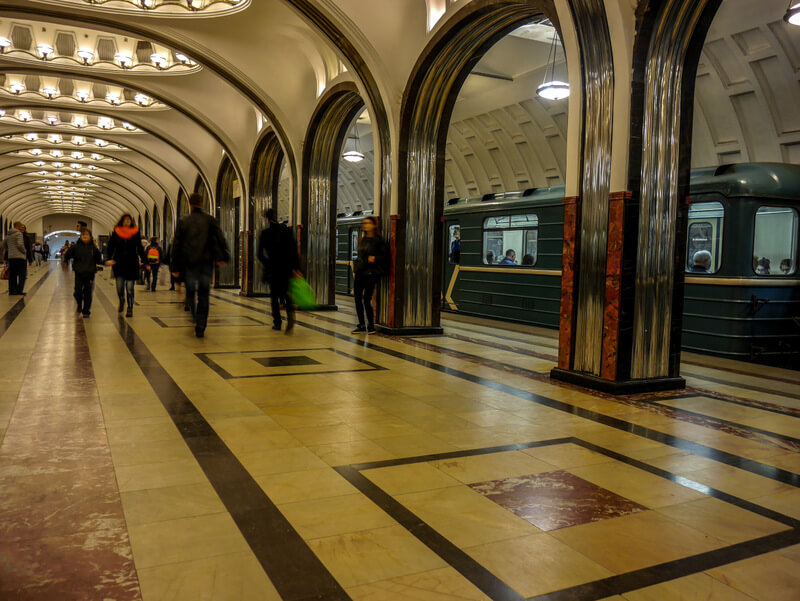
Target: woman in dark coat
125, 252
369, 267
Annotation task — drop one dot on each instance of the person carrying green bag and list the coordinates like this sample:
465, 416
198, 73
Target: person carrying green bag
301, 294
277, 251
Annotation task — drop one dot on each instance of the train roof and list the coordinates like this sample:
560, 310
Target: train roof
532, 196
772, 180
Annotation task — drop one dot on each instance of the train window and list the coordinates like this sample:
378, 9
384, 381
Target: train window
454, 244
775, 241
704, 244
511, 240
354, 244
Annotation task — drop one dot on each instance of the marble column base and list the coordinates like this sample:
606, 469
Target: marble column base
617, 386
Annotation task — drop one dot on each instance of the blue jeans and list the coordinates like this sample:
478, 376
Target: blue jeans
125, 288
198, 283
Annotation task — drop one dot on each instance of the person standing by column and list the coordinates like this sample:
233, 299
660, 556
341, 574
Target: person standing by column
199, 244
85, 258
124, 252
38, 253
369, 267
277, 251
46, 251
153, 254
18, 259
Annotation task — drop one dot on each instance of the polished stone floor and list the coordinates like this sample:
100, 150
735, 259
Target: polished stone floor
139, 462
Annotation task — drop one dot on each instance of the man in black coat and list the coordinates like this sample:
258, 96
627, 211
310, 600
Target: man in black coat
277, 251
199, 244
85, 258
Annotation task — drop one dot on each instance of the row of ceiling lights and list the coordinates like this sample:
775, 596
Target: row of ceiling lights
76, 154
82, 95
57, 139
79, 121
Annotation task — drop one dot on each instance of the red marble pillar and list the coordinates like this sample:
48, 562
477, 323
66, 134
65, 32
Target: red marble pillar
611, 316
568, 280
392, 287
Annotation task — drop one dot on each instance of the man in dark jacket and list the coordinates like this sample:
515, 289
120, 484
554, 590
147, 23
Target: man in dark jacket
199, 244
277, 251
85, 258
16, 247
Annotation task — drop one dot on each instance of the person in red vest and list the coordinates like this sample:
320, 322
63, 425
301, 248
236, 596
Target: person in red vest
153, 258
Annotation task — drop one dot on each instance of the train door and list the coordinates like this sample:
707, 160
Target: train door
452, 259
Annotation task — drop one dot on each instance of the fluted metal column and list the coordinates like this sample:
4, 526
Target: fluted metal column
655, 269
266, 170
598, 98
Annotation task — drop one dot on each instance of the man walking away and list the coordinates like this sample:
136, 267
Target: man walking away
277, 251
14, 245
198, 245
85, 258
153, 254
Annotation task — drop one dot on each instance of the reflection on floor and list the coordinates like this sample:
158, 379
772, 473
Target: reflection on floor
139, 462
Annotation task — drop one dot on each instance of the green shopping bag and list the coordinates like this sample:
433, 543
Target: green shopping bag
301, 294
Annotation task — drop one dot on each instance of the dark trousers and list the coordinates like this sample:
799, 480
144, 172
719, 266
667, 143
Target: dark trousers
153, 273
198, 289
363, 287
125, 288
17, 274
279, 293
84, 286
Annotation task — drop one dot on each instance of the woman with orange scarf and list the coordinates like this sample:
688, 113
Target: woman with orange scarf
124, 253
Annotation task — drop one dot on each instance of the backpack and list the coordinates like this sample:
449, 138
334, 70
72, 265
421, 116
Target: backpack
153, 255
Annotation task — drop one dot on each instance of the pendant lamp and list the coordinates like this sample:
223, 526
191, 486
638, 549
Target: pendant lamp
354, 155
792, 15
551, 88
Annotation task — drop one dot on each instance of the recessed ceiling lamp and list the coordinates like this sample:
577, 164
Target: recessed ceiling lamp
36, 151
142, 99
52, 119
54, 138
128, 126
78, 140
45, 50
792, 15
31, 137
78, 122
551, 88
56, 153
39, 163
113, 98
58, 164
185, 60
24, 116
75, 165
4, 43
86, 55
354, 155
76, 154
105, 123
92, 167
124, 60
96, 157
100, 142
82, 95
17, 87
49, 91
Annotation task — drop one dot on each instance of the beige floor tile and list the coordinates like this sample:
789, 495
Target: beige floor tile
262, 463
414, 477
740, 483
770, 577
636, 541
567, 455
787, 502
537, 564
415, 445
386, 428
170, 503
495, 466
374, 555
637, 485
115, 410
175, 541
292, 487
319, 518
236, 577
134, 453
437, 585
142, 430
697, 587
465, 517
722, 520
356, 451
156, 475
326, 435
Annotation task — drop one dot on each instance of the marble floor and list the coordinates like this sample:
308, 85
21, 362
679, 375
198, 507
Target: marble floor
138, 462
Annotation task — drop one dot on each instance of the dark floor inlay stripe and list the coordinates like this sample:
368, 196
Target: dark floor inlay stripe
294, 569
750, 465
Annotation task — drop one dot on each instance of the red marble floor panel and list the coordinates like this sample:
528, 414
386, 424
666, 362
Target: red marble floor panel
62, 530
554, 500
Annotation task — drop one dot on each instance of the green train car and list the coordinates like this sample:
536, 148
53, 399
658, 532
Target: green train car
502, 260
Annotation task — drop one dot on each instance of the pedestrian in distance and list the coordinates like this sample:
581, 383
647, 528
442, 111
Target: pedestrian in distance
85, 258
38, 253
369, 266
15, 251
125, 253
277, 251
199, 244
153, 254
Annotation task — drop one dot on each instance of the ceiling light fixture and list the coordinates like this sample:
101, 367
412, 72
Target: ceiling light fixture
54, 139
36, 151
52, 119
78, 122
792, 15
77, 154
96, 157
78, 140
105, 123
128, 126
82, 95
17, 87
551, 88
86, 55
49, 91
58, 164
4, 43
354, 155
39, 163
45, 50
124, 60
24, 116
159, 60
56, 153
142, 99
31, 137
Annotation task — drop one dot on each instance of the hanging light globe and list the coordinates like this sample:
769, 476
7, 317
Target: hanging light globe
792, 15
553, 90
353, 156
